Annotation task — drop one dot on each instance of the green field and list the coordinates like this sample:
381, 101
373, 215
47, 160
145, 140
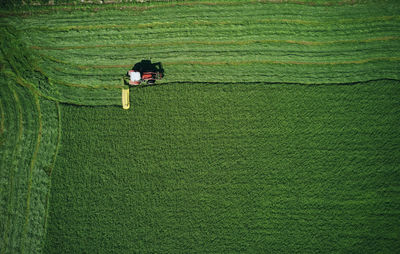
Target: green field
275, 129
284, 168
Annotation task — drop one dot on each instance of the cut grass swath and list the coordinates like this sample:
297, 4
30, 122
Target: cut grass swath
125, 98
28, 151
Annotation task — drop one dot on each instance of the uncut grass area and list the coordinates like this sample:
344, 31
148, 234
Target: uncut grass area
254, 168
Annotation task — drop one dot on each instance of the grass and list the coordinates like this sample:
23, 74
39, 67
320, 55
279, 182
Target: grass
274, 129
230, 168
79, 54
28, 149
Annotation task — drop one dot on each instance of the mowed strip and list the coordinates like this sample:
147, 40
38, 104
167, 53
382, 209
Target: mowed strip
241, 42
112, 5
185, 37
266, 43
362, 61
216, 23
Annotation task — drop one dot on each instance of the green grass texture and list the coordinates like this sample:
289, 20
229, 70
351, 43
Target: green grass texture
275, 128
29, 141
80, 52
231, 169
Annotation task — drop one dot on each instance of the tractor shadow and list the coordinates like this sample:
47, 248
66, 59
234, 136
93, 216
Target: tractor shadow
148, 66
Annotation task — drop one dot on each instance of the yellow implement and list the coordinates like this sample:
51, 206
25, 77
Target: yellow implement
125, 98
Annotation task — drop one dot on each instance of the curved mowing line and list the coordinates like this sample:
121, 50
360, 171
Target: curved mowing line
247, 42
37, 91
58, 137
51, 169
213, 23
22, 82
17, 144
75, 85
32, 164
26, 84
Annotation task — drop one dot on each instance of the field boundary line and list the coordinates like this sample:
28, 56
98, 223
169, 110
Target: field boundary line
134, 45
46, 214
284, 62
58, 137
189, 82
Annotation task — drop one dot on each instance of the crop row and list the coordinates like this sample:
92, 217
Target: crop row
261, 45
247, 71
209, 15
30, 134
230, 22
155, 26
20, 136
264, 44
249, 51
371, 67
211, 9
245, 31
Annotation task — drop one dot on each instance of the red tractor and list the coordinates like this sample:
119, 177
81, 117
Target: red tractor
145, 71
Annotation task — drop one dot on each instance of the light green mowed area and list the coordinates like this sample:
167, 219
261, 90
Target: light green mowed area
224, 41
275, 128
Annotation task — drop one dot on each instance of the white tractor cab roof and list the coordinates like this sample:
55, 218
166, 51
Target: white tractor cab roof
134, 75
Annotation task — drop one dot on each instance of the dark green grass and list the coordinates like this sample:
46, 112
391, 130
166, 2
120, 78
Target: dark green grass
201, 167
231, 168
